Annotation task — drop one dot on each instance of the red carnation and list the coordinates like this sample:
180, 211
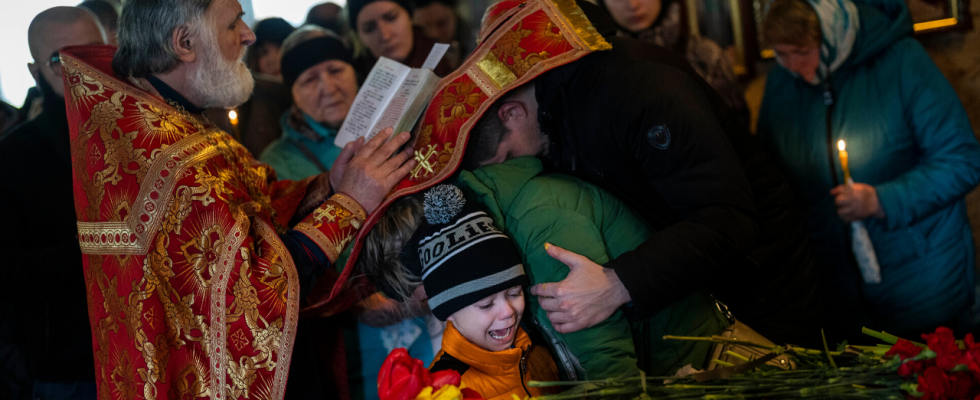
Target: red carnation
942, 341
909, 368
934, 384
904, 349
962, 386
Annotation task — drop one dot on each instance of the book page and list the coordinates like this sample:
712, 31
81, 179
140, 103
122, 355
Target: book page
372, 99
432, 60
425, 86
403, 97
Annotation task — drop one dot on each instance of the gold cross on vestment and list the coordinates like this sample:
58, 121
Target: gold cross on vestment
326, 212
424, 163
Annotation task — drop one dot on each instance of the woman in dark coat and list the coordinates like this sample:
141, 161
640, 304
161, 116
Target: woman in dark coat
384, 28
660, 22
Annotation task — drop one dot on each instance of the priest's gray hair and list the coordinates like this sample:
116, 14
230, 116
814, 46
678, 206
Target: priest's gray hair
145, 34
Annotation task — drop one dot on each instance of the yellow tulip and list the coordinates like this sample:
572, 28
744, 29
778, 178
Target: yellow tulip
446, 392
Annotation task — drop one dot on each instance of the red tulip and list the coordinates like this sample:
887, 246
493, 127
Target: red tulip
401, 377
445, 377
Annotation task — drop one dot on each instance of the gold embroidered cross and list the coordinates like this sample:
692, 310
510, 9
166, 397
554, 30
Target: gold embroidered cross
326, 212
423, 159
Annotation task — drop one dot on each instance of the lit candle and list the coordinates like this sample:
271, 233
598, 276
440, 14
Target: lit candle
843, 162
233, 116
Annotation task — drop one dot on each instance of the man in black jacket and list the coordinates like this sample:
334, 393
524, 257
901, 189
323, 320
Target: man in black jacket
43, 284
639, 122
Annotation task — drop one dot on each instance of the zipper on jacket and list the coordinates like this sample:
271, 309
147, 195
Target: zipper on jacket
828, 100
523, 368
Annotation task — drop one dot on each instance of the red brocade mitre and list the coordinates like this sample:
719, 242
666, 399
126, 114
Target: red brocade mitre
191, 293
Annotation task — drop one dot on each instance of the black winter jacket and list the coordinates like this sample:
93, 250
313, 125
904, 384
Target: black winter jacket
638, 121
42, 283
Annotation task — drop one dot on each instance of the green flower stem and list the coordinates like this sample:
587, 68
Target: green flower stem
719, 339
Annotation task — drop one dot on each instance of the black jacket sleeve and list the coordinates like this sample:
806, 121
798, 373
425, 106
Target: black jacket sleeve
696, 194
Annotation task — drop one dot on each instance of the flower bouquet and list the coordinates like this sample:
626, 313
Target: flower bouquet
405, 378
940, 368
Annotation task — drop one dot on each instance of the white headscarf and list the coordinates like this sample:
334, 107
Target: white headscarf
839, 25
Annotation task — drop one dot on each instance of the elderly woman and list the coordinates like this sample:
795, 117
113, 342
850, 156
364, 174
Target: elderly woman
659, 22
852, 71
385, 29
316, 67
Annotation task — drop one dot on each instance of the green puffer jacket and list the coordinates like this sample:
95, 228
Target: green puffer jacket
533, 209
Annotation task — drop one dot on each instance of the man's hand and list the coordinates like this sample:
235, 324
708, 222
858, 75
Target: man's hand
340, 164
857, 201
375, 169
587, 296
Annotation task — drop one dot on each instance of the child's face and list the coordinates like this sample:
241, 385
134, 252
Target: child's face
491, 323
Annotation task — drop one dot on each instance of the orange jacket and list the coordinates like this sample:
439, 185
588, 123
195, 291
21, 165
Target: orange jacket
496, 375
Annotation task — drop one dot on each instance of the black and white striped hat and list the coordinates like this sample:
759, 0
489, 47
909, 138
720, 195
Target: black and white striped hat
461, 257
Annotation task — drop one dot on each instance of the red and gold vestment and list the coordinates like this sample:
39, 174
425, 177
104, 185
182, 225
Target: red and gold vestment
191, 292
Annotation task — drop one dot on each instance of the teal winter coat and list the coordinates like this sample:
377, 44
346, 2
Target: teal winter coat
533, 209
285, 154
907, 136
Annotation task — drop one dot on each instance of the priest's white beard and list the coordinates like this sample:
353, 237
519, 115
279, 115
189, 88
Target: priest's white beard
221, 83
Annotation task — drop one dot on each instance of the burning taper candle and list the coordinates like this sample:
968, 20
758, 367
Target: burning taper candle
843, 161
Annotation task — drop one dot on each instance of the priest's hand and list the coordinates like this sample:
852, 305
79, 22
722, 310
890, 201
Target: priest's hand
587, 296
340, 164
857, 201
371, 172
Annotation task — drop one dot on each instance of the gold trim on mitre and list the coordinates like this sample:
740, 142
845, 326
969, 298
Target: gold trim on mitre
584, 30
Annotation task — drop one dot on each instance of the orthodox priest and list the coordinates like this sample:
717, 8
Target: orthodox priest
195, 256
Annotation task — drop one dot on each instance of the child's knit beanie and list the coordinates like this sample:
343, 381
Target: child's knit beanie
461, 257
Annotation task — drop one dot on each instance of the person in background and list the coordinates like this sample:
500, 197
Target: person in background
316, 65
9, 117
258, 118
328, 16
107, 14
659, 22
384, 28
43, 289
852, 71
262, 57
317, 70
440, 21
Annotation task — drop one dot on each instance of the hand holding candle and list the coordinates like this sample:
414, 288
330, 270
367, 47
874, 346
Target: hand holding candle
854, 201
857, 201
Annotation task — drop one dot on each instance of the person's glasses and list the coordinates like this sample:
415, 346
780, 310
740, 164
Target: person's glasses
55, 63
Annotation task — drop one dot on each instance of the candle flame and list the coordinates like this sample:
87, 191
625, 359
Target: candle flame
840, 145
232, 114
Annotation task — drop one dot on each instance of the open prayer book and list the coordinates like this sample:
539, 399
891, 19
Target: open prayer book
393, 95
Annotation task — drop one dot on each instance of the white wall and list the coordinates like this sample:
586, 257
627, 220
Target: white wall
16, 16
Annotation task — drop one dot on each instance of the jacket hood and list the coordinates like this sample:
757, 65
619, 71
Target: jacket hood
883, 22
498, 185
857, 31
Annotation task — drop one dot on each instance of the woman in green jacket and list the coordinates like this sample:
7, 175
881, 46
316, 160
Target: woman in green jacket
852, 71
317, 68
533, 209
